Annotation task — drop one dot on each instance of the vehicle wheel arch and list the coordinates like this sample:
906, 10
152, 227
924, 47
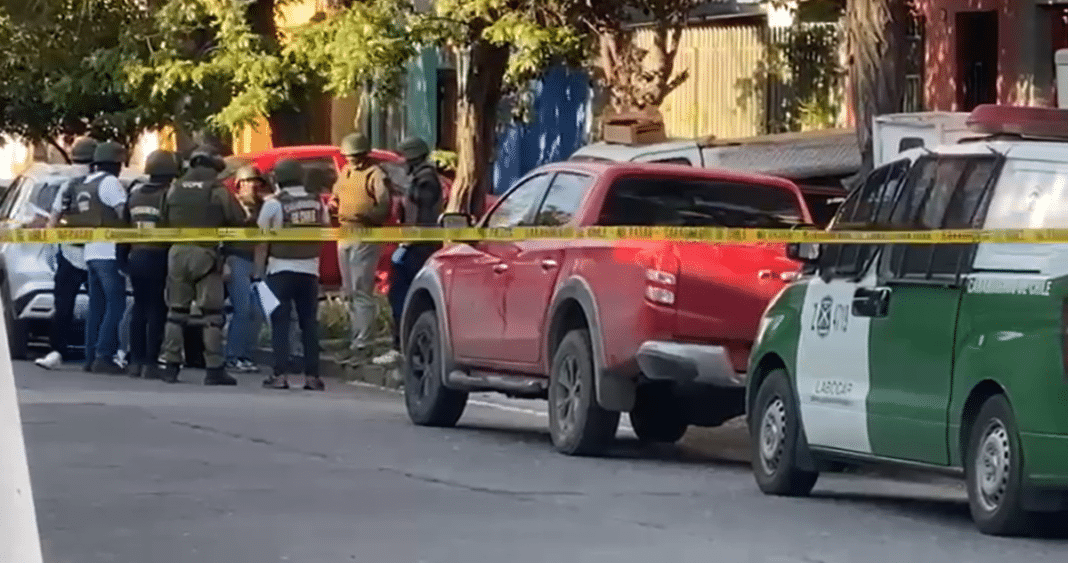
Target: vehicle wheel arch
979, 394
768, 363
427, 293
574, 307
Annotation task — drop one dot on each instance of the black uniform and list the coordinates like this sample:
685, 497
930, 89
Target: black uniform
147, 268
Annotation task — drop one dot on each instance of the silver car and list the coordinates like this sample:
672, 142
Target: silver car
27, 270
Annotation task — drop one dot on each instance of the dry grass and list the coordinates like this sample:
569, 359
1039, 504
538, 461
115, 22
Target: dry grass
334, 331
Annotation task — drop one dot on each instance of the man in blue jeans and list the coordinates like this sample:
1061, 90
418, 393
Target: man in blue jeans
99, 201
247, 317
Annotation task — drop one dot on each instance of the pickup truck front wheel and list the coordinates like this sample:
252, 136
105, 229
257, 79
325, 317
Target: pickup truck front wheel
657, 416
429, 402
577, 424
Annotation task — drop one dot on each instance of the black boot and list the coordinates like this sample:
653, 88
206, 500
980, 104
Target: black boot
135, 370
168, 373
218, 376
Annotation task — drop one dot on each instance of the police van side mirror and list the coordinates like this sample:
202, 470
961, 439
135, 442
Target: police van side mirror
453, 220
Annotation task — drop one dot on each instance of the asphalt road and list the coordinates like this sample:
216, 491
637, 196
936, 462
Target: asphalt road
140, 472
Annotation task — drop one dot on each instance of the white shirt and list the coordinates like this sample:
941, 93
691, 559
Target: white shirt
112, 194
74, 253
271, 218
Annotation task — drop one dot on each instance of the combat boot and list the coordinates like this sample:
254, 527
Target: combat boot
167, 374
218, 376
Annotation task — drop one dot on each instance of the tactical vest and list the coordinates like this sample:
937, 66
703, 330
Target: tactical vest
303, 210
146, 210
358, 201
190, 202
85, 210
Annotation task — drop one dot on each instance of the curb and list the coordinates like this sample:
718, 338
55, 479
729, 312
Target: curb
388, 377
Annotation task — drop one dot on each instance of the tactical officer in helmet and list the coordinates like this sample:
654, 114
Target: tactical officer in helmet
252, 189
422, 205
361, 198
292, 270
147, 264
71, 271
98, 202
194, 270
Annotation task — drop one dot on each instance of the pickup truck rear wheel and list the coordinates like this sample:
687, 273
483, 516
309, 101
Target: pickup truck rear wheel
577, 424
429, 402
657, 416
773, 437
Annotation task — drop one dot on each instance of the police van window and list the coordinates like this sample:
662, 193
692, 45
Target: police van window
863, 209
563, 199
947, 193
517, 204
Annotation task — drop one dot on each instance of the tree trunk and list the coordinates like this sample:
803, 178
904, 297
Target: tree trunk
876, 37
476, 112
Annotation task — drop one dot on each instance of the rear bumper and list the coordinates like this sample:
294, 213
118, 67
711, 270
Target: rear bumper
688, 363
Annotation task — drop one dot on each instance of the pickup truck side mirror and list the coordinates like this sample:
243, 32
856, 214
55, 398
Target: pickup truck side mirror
454, 220
804, 252
807, 253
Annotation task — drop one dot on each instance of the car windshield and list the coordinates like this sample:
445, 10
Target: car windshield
694, 202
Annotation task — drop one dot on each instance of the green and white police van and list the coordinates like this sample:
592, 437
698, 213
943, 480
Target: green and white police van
949, 357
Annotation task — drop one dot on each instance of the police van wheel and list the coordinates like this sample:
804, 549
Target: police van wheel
428, 401
657, 416
773, 437
577, 424
993, 469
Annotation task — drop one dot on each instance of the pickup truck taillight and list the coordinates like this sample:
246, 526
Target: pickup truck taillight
660, 287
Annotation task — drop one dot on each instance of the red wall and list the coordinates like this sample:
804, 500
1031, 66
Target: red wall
941, 82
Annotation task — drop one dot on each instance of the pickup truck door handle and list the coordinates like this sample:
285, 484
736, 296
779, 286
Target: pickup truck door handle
548, 264
871, 302
500, 268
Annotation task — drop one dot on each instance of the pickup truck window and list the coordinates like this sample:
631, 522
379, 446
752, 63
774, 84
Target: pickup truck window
563, 199
518, 203
696, 202
320, 174
680, 160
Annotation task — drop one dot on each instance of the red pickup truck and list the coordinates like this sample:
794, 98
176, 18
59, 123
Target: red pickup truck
659, 329
323, 163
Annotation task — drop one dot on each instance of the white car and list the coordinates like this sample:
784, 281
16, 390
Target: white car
27, 270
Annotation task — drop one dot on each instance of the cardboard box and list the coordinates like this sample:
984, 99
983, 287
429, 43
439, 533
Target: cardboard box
634, 128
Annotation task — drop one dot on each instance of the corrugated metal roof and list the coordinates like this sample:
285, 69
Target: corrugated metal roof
808, 154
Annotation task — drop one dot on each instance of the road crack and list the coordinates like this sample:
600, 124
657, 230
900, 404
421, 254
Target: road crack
251, 439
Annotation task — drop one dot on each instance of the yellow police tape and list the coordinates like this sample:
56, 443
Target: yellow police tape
435, 234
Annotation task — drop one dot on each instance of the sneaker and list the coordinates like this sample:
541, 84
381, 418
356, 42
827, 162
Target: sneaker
135, 370
248, 366
52, 361
108, 367
120, 359
393, 357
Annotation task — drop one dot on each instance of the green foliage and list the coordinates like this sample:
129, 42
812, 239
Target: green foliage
208, 64
365, 44
444, 160
62, 70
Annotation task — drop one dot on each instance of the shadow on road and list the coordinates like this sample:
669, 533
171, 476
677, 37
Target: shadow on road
625, 447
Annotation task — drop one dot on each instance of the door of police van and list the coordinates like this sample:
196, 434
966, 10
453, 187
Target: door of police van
912, 306
832, 361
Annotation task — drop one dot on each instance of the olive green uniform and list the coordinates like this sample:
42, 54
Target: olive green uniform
197, 200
